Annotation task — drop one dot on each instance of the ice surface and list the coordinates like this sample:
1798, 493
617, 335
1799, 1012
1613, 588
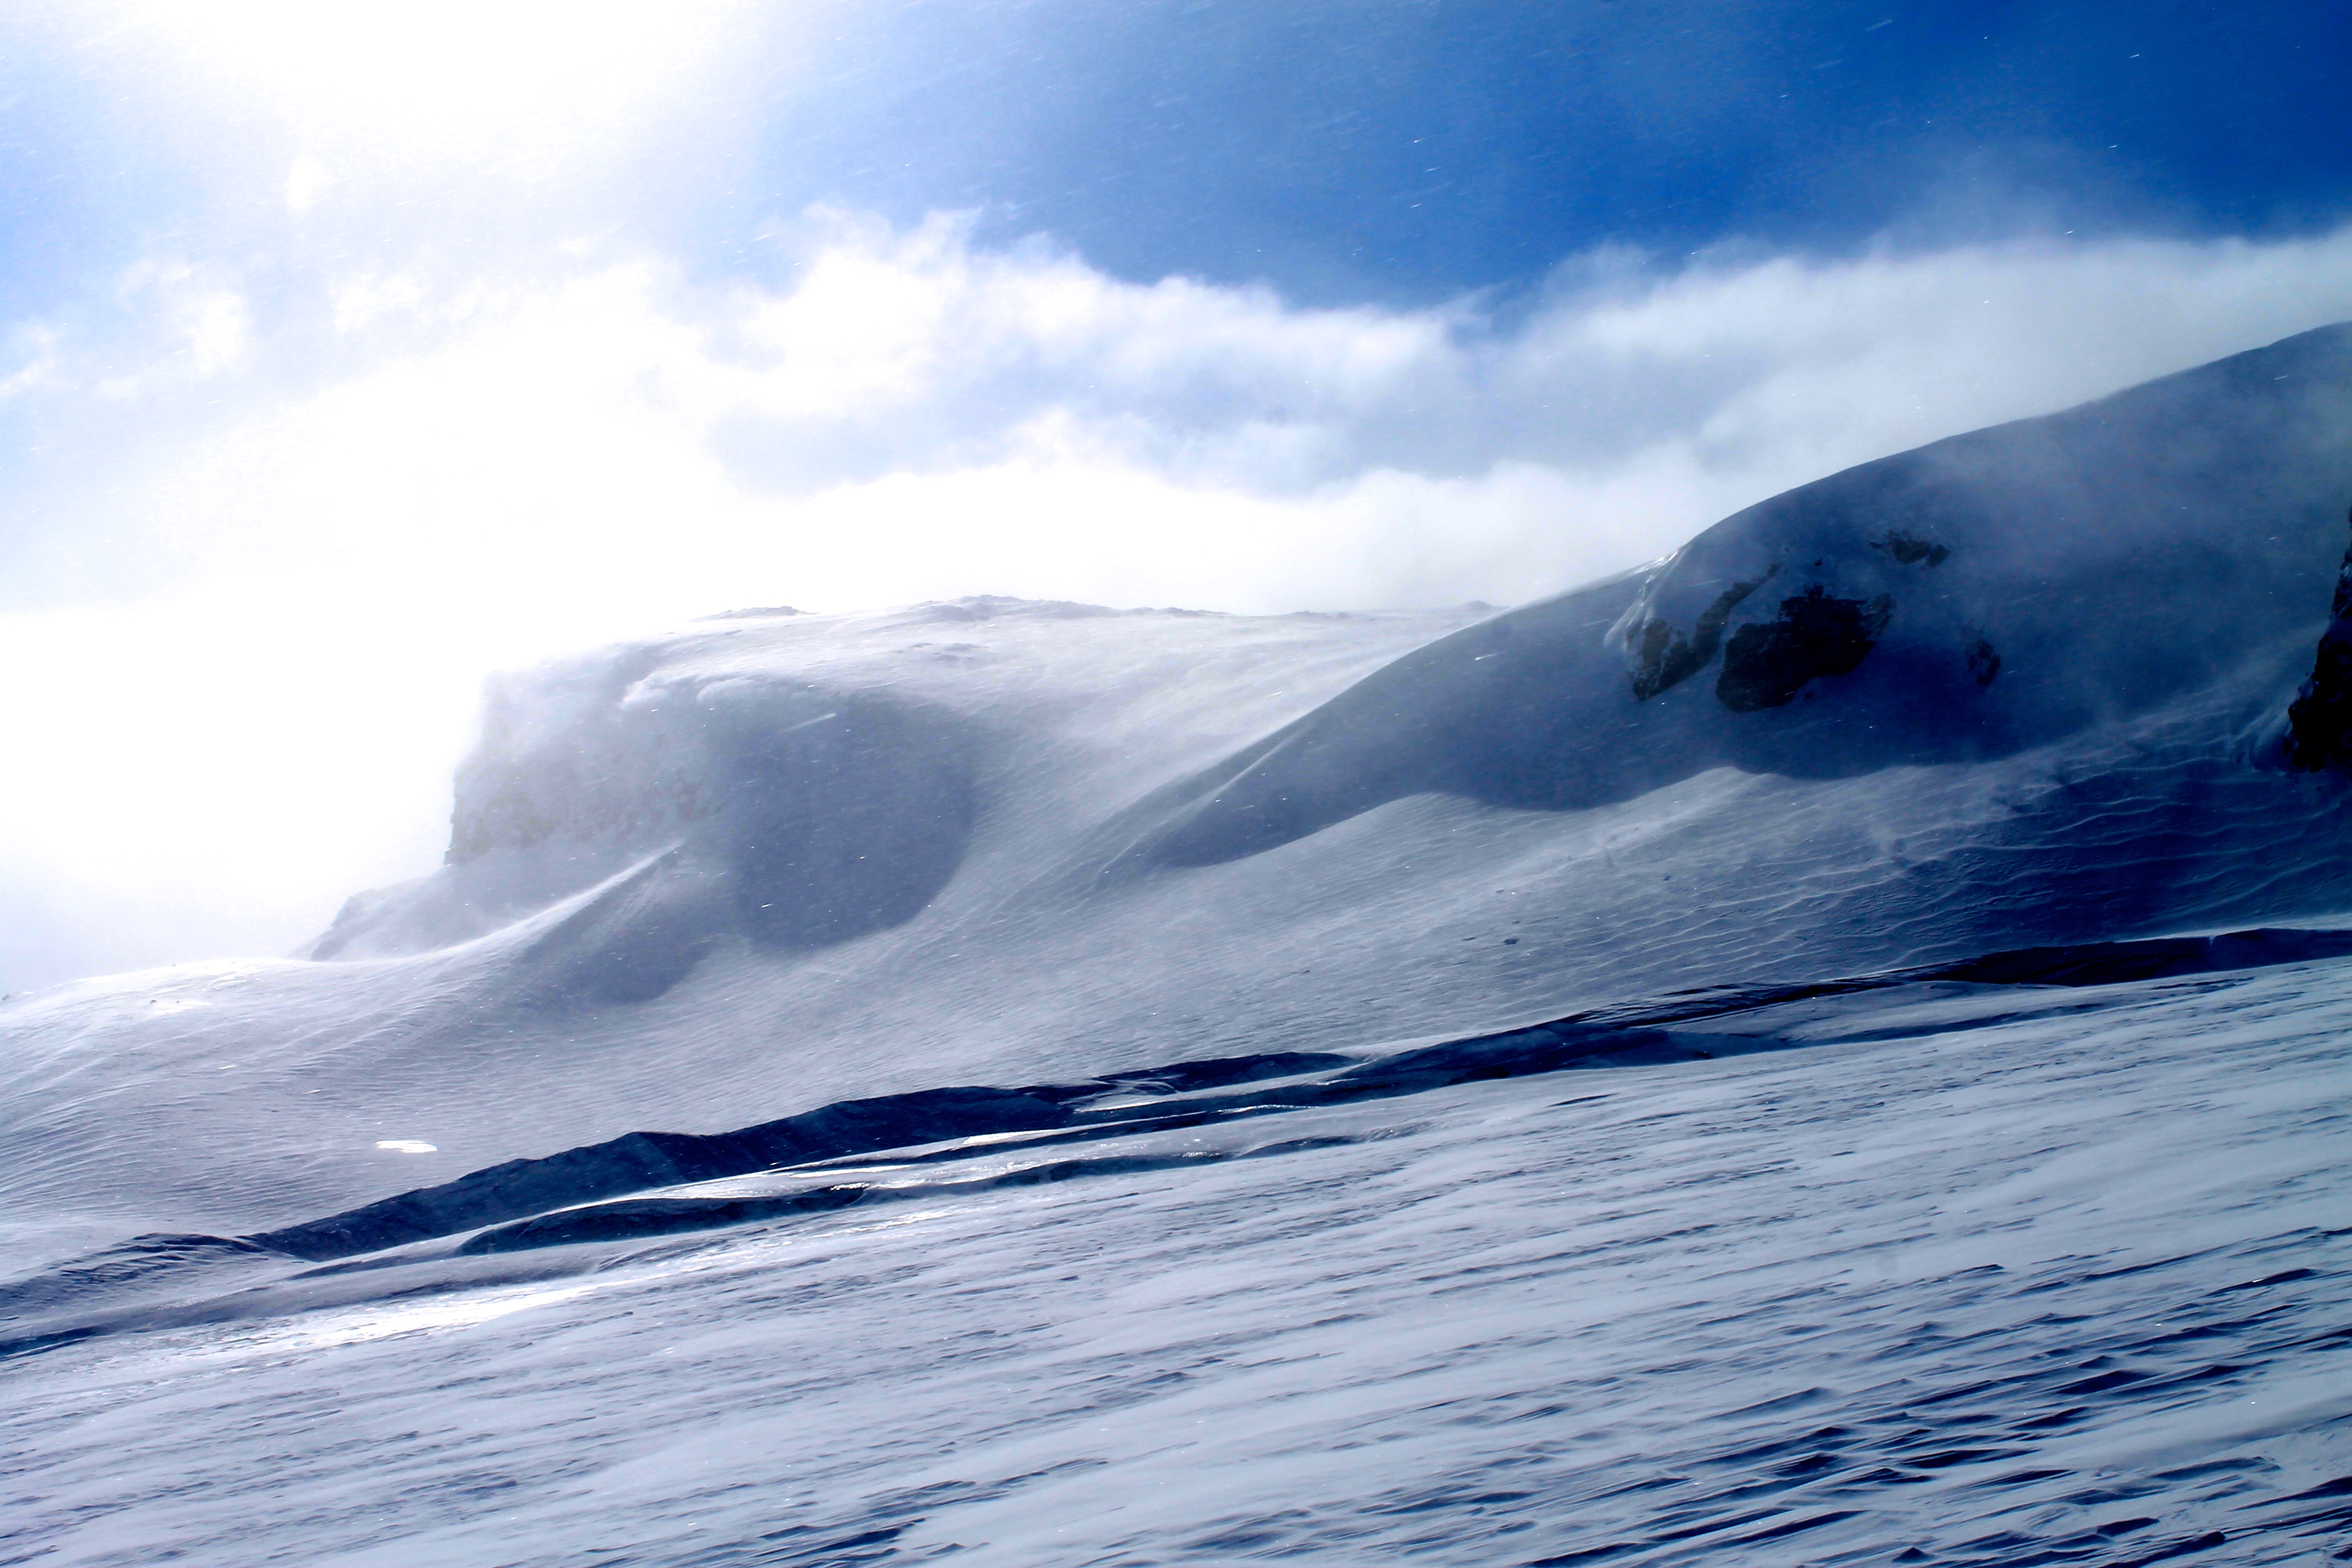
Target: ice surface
1644, 1076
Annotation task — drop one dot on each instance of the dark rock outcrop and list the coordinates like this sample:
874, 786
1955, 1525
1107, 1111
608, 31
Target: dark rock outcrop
1664, 658
2066, 538
1816, 634
2319, 721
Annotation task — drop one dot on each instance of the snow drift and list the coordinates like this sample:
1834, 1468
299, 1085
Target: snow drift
735, 924
2021, 687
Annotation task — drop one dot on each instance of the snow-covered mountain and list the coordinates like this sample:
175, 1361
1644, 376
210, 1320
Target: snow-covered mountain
1067, 1041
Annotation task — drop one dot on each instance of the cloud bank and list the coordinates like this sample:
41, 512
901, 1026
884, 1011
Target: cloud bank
311, 570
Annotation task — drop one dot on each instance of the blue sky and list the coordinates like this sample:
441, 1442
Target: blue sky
1413, 150
1400, 151
350, 352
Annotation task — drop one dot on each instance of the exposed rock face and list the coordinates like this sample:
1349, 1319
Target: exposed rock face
1967, 600
1663, 656
1815, 634
2319, 721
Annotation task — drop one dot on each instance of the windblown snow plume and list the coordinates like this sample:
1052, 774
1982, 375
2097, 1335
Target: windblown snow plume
1822, 1047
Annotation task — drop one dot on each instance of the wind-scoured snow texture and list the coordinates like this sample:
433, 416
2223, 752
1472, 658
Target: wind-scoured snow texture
2020, 687
365, 1256
2047, 1275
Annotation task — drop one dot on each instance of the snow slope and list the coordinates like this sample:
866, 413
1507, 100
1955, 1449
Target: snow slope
2067, 1284
2028, 686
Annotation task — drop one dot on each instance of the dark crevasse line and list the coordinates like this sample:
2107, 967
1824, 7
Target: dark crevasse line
1638, 1034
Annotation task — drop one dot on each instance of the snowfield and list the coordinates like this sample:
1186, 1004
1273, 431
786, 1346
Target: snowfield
1726, 1064
2075, 1284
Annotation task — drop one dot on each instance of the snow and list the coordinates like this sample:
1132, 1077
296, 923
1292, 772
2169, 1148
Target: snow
1086, 1022
1982, 1292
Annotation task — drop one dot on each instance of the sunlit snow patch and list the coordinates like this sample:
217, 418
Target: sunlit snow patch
383, 1321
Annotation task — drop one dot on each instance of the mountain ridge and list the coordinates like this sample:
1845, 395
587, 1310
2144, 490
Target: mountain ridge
1088, 832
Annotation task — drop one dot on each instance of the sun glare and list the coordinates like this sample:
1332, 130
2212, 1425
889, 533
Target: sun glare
516, 79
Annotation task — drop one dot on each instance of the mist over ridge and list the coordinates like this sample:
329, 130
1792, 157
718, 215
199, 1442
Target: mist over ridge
911, 413
2020, 687
1966, 771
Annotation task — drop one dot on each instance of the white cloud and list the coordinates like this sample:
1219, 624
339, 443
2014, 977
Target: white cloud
522, 465
182, 322
36, 353
307, 179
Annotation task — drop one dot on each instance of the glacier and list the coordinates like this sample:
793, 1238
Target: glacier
1824, 1047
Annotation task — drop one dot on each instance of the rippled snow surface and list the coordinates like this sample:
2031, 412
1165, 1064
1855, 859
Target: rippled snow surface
2069, 1283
